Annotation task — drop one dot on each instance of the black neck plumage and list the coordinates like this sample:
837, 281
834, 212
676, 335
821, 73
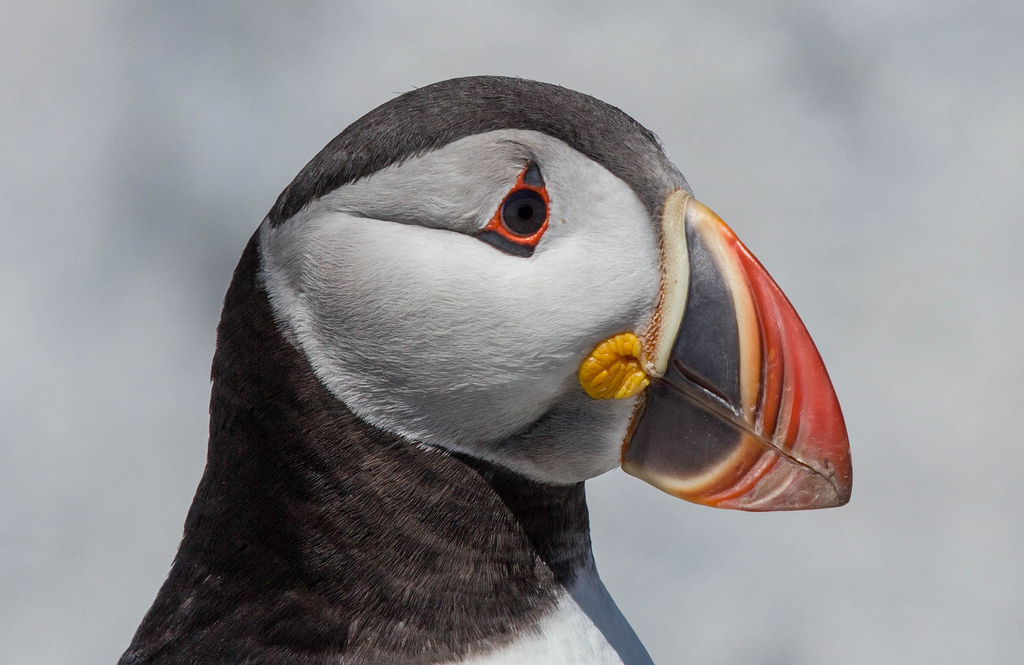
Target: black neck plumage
315, 537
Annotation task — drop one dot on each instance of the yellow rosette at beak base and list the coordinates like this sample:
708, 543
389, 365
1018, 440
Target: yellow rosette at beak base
613, 370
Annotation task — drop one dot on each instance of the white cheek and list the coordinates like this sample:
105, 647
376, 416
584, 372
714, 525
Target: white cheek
441, 338
435, 335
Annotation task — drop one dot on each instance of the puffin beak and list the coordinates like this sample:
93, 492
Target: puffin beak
740, 412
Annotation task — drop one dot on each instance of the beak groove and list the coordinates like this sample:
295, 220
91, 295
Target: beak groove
744, 415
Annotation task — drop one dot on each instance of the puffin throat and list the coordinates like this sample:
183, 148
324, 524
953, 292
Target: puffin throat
313, 533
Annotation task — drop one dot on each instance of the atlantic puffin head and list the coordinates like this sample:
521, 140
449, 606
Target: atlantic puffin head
517, 273
476, 297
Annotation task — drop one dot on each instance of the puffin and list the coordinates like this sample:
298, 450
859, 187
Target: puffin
476, 297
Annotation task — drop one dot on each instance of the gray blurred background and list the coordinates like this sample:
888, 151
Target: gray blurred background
870, 153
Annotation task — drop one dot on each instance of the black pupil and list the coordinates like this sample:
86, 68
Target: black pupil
524, 212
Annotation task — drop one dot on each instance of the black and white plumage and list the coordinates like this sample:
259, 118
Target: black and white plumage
398, 433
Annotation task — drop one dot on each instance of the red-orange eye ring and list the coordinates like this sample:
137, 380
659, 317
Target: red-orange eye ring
522, 217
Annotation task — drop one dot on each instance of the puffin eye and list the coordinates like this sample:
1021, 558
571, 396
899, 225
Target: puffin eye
522, 218
524, 212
